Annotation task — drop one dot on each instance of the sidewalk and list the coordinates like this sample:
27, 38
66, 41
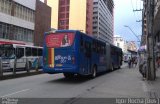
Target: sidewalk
154, 86
125, 83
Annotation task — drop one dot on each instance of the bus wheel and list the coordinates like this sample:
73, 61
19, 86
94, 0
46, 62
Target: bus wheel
94, 72
68, 75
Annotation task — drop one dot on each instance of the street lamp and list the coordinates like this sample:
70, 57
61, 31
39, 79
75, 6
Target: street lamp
132, 32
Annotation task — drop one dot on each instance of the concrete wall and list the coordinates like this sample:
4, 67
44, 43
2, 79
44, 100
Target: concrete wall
54, 15
77, 16
16, 21
42, 22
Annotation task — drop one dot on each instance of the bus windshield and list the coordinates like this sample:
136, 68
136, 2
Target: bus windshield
57, 40
6, 51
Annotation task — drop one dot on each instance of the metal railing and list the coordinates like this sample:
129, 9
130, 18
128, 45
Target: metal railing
27, 69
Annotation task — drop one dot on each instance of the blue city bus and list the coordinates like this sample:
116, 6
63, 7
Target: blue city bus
73, 53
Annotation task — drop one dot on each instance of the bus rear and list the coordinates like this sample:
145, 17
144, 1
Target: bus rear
59, 53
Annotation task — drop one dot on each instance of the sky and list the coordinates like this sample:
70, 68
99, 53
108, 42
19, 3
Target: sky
124, 15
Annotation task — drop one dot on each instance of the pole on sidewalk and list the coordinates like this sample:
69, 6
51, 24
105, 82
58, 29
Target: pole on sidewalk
28, 65
151, 74
15, 66
1, 69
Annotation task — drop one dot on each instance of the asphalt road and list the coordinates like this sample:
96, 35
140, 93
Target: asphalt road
120, 83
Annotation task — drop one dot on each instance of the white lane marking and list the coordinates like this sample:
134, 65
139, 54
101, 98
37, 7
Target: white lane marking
14, 93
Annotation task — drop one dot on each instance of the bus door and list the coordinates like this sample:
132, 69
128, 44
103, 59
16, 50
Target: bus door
88, 56
20, 58
85, 56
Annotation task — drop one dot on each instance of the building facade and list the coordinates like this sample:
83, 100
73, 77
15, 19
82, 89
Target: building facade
150, 28
144, 24
131, 45
42, 22
17, 21
103, 20
120, 42
156, 28
72, 14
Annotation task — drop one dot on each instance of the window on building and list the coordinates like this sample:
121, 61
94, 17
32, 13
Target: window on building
24, 13
5, 6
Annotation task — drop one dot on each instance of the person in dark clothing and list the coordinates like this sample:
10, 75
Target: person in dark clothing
129, 62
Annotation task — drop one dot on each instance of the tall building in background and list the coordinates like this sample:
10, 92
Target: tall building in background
72, 14
21, 21
42, 22
120, 42
103, 20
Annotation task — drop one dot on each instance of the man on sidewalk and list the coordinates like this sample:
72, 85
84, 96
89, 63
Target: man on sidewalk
143, 67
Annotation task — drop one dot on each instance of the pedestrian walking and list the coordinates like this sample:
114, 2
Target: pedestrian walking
143, 67
135, 61
129, 62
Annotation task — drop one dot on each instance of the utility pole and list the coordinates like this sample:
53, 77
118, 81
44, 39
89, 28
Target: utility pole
151, 74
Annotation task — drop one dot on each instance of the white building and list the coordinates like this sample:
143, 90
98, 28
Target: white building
120, 42
103, 20
17, 20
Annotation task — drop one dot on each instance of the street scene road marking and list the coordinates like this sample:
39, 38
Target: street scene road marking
14, 93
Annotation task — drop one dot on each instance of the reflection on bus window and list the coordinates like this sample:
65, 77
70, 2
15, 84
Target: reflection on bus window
34, 51
7, 52
28, 51
19, 52
39, 52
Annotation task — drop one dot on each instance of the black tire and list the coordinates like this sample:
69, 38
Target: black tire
119, 67
68, 75
94, 72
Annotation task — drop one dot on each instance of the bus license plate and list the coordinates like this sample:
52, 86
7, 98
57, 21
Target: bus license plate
58, 64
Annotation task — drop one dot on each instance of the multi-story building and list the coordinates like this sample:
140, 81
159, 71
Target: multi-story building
72, 14
103, 20
144, 24
156, 27
120, 42
148, 26
21, 21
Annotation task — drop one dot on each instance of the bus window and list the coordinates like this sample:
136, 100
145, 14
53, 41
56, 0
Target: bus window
87, 49
94, 46
28, 51
82, 43
39, 52
19, 52
34, 52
